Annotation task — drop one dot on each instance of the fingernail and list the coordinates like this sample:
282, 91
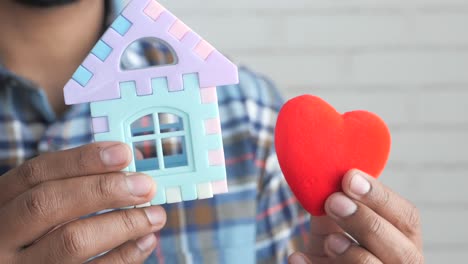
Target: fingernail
341, 206
338, 244
359, 185
115, 155
139, 184
147, 242
298, 259
156, 215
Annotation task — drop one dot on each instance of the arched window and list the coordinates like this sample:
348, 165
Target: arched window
160, 141
147, 52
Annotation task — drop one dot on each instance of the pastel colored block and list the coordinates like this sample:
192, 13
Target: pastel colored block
209, 95
143, 87
183, 154
204, 190
189, 192
100, 124
216, 157
175, 83
179, 29
219, 187
204, 49
101, 50
121, 25
159, 83
160, 197
154, 10
173, 195
128, 86
82, 76
212, 126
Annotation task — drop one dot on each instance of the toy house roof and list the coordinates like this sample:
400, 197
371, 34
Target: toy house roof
99, 76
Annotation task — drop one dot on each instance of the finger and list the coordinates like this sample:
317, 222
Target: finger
57, 202
320, 228
87, 160
131, 252
395, 209
80, 240
342, 250
372, 231
298, 258
323, 226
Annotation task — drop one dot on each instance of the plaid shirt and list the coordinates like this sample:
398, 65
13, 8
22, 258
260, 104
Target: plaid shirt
258, 221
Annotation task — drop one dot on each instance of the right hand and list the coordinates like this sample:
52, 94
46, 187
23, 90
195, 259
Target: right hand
42, 200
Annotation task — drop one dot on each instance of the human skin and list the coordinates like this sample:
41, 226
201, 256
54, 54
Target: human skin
385, 225
48, 192
46, 45
41, 202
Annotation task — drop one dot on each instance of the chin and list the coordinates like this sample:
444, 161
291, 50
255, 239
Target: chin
45, 3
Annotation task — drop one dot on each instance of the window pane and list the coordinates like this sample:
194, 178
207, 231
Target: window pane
174, 152
170, 123
146, 155
143, 126
147, 52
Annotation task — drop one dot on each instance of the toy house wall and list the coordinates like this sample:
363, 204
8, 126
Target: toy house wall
203, 138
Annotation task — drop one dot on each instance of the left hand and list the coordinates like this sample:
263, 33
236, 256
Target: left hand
386, 226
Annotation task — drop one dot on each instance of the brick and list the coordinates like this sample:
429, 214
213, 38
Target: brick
427, 146
442, 107
348, 31
444, 226
434, 185
446, 29
298, 70
410, 67
446, 254
371, 30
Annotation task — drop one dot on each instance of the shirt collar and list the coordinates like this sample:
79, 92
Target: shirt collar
35, 96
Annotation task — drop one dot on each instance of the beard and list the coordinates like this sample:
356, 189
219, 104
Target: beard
45, 3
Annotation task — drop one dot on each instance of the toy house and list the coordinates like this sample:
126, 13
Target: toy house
168, 114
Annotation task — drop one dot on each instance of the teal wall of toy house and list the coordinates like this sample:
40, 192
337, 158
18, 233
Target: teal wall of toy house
188, 105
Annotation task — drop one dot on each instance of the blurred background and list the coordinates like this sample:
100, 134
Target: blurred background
406, 60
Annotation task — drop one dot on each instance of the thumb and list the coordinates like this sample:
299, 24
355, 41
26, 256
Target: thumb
299, 258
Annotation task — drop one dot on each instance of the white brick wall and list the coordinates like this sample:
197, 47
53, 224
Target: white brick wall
406, 60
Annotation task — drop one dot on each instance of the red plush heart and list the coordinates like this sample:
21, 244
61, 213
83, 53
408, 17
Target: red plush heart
316, 146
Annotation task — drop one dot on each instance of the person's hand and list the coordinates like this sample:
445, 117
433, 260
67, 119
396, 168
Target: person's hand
41, 203
385, 227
